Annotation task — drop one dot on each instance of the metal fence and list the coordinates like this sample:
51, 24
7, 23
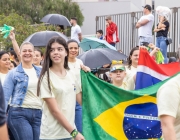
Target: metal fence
128, 33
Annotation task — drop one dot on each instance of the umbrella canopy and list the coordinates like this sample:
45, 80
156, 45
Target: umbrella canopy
42, 38
56, 19
98, 57
93, 43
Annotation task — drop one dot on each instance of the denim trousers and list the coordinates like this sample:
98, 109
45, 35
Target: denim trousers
161, 43
78, 117
113, 44
144, 39
58, 139
24, 123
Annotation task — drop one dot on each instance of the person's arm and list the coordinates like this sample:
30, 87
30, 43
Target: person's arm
154, 51
4, 132
141, 23
161, 23
167, 125
157, 29
79, 98
80, 36
3, 127
78, 30
59, 116
111, 29
8, 87
15, 45
168, 103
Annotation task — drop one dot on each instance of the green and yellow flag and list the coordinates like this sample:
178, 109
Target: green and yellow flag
111, 113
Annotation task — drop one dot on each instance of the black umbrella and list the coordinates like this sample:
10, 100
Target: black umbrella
42, 38
95, 58
56, 19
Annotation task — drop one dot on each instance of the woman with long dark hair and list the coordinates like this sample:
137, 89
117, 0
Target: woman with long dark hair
24, 115
59, 88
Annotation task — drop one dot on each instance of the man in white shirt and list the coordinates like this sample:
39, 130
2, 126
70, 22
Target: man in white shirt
75, 30
144, 26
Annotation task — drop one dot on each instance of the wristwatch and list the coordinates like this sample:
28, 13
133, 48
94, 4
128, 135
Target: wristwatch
74, 133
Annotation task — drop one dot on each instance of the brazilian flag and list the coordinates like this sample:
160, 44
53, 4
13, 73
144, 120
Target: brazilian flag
111, 113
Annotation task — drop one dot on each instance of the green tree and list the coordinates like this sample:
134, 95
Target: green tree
22, 28
34, 10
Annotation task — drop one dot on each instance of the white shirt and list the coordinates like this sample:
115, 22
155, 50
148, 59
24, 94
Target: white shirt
31, 99
2, 77
168, 101
75, 30
146, 30
76, 68
63, 90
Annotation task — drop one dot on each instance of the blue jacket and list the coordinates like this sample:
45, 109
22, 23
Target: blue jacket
2, 107
15, 85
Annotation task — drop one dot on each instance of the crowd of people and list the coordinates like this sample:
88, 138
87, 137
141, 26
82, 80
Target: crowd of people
41, 94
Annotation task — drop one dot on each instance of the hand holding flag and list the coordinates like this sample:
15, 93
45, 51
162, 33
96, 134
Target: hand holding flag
6, 30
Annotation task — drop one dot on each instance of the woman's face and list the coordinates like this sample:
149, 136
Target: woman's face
73, 50
135, 57
57, 53
27, 53
5, 61
37, 58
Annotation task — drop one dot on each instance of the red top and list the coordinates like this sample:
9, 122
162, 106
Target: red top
112, 33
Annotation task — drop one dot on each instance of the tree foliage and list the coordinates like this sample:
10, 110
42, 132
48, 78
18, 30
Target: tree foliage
34, 10
22, 29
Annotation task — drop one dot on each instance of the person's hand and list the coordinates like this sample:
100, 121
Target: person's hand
79, 137
163, 29
151, 45
12, 35
85, 68
156, 49
107, 24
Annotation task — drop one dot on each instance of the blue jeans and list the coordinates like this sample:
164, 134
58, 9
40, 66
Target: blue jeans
161, 43
144, 39
58, 139
24, 123
113, 44
78, 117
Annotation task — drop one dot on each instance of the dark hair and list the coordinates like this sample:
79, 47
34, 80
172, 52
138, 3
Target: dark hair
12, 52
129, 58
48, 62
172, 59
2, 53
37, 49
14, 63
71, 41
100, 31
74, 18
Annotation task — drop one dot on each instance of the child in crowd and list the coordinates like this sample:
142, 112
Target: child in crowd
117, 75
99, 34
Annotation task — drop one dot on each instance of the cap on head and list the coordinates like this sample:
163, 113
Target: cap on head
117, 65
147, 7
108, 18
